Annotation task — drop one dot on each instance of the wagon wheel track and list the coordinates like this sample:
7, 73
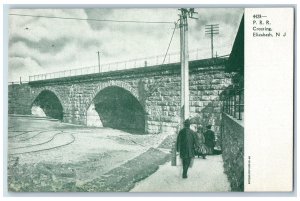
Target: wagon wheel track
50, 148
51, 139
26, 139
26, 132
22, 133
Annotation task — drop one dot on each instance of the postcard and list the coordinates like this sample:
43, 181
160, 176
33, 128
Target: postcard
150, 99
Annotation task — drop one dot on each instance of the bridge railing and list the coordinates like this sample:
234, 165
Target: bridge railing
122, 65
233, 101
17, 83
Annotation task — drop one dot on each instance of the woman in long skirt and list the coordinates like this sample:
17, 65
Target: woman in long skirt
201, 149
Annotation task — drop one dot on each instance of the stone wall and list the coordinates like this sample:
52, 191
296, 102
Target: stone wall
19, 99
233, 151
156, 88
206, 84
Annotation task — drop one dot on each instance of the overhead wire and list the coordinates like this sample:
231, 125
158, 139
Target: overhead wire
153, 90
92, 19
170, 42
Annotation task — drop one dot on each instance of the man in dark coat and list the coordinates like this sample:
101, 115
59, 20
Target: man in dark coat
209, 136
186, 141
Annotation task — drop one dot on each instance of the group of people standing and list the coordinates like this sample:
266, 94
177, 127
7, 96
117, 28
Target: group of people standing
206, 142
190, 143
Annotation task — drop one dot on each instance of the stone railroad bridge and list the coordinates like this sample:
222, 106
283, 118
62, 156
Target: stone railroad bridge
142, 100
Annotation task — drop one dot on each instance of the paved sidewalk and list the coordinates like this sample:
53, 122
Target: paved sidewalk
123, 178
206, 175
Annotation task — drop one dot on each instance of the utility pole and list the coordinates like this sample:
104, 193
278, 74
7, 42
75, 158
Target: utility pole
211, 30
184, 59
99, 61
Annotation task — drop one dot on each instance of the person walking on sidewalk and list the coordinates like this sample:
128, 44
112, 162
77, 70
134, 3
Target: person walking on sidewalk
186, 141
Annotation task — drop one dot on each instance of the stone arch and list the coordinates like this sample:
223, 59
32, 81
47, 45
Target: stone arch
112, 83
35, 92
38, 102
116, 105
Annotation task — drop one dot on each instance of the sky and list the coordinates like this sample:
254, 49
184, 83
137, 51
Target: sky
43, 45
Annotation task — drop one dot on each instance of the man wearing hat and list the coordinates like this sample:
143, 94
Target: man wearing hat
186, 141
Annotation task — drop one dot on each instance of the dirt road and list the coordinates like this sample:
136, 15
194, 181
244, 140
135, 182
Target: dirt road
47, 155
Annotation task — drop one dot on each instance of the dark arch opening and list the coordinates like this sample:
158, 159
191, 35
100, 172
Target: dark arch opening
119, 109
49, 104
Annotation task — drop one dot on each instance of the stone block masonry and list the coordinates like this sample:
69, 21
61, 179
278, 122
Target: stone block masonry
19, 99
156, 89
233, 151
